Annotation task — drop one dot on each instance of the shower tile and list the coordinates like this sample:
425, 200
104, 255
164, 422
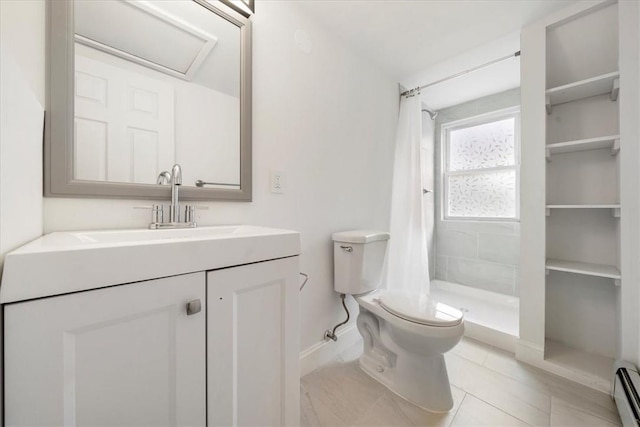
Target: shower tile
483, 227
500, 101
441, 267
491, 277
457, 243
500, 248
460, 111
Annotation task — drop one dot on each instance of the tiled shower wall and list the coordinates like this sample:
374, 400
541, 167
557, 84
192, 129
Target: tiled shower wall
480, 254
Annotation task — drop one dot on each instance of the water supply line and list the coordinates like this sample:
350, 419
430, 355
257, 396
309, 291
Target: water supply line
306, 279
331, 334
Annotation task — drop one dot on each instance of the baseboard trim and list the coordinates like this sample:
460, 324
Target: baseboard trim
324, 352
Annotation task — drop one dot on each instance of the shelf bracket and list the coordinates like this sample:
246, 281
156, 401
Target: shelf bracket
546, 271
615, 212
617, 282
615, 147
615, 90
547, 104
547, 211
547, 154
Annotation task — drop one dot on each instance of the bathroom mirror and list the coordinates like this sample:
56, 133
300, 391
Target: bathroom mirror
135, 87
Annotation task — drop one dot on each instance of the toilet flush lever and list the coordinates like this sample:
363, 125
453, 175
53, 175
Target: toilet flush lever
347, 248
194, 307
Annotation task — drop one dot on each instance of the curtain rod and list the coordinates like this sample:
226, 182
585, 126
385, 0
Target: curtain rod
453, 76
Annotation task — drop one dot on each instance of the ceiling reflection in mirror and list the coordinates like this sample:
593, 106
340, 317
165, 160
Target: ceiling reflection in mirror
156, 83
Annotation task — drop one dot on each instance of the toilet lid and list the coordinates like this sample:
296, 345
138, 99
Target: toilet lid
420, 309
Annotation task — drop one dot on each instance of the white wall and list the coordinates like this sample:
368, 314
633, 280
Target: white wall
21, 118
326, 119
496, 78
22, 96
629, 21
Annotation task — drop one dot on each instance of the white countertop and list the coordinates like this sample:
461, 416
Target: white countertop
64, 262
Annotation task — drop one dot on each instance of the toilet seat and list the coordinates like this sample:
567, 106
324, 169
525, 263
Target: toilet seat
424, 309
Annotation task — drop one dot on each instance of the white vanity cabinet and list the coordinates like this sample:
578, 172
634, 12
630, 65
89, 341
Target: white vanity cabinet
124, 355
102, 328
253, 345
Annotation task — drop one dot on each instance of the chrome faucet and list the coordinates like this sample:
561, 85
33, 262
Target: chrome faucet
176, 182
157, 211
164, 178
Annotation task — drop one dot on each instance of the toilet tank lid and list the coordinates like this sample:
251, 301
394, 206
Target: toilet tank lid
360, 236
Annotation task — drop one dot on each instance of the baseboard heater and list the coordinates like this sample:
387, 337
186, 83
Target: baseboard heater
625, 393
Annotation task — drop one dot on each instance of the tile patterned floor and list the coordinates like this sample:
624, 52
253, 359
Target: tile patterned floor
490, 388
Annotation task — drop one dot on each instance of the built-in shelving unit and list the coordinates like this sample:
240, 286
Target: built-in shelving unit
598, 85
615, 208
582, 248
611, 142
586, 268
587, 368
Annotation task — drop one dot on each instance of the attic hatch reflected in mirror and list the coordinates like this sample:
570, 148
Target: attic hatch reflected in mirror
156, 83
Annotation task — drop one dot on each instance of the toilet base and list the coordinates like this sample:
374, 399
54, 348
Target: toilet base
422, 381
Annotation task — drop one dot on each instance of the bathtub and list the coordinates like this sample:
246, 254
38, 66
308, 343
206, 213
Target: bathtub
490, 317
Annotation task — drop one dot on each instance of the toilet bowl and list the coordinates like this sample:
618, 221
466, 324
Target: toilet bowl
406, 355
405, 336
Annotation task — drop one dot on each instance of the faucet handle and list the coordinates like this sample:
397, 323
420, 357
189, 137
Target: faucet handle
157, 212
189, 213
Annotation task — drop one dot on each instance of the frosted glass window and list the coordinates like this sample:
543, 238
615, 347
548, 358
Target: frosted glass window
481, 167
483, 195
483, 146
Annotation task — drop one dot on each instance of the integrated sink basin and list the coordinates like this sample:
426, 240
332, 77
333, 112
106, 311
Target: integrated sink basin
64, 262
134, 236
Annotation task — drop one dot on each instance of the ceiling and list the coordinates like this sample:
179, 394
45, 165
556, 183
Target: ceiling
173, 36
406, 37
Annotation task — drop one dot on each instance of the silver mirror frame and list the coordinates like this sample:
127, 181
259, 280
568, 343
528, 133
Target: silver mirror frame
59, 118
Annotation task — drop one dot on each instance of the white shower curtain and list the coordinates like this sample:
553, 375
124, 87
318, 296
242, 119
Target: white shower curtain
408, 262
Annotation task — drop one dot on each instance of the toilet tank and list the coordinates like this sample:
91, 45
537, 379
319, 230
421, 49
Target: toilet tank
358, 260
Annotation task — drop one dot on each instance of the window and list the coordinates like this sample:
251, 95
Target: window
481, 167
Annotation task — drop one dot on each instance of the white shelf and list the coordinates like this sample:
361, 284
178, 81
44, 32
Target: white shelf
586, 368
586, 268
615, 208
611, 141
599, 85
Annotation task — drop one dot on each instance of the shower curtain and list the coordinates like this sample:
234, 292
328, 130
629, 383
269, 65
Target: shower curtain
408, 262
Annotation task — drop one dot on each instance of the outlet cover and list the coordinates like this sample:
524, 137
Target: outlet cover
277, 182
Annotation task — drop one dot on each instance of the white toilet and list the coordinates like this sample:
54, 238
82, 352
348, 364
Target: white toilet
405, 336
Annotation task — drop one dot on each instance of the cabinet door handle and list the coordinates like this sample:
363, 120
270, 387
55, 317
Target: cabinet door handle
194, 307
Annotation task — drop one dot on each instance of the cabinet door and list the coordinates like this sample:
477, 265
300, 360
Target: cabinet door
253, 345
126, 355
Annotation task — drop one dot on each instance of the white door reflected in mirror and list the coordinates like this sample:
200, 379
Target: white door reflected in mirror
156, 83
